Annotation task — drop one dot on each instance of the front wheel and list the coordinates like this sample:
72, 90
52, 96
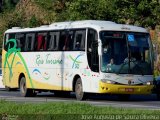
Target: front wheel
80, 95
25, 92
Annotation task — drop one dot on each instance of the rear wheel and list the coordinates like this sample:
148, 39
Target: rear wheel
7, 88
10, 89
80, 95
25, 92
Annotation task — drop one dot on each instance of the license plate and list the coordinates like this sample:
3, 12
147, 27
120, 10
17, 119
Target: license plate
129, 89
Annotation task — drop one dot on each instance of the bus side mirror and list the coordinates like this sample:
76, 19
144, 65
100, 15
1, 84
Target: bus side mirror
99, 47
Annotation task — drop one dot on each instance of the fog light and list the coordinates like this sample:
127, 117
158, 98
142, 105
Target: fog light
150, 83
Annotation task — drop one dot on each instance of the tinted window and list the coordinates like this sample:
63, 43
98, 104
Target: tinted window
41, 42
53, 41
66, 40
20, 39
9, 44
29, 43
79, 40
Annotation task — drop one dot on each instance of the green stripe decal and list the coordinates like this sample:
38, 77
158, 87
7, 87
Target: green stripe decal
16, 51
25, 66
74, 60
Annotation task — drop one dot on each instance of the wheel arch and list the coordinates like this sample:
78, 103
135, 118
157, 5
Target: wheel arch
74, 81
20, 76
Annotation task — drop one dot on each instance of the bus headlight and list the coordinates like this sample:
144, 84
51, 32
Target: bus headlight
149, 83
107, 81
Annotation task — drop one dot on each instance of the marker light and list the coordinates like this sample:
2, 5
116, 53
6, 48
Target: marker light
149, 83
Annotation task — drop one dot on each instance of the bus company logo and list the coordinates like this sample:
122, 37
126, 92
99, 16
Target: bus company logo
75, 61
129, 82
47, 60
129, 79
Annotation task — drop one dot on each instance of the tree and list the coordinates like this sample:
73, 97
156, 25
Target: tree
9, 4
139, 12
143, 13
90, 9
34, 22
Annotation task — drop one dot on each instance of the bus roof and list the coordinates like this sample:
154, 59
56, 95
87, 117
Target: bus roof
95, 24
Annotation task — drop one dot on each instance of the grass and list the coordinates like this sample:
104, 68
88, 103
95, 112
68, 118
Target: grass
67, 111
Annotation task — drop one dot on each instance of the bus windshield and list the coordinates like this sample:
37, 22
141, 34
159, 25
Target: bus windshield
126, 53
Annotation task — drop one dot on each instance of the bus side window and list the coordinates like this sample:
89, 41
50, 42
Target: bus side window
92, 50
41, 41
49, 44
29, 43
5, 46
9, 45
66, 41
11, 36
20, 38
53, 40
69, 41
62, 40
79, 40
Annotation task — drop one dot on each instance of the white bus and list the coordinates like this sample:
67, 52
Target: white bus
82, 56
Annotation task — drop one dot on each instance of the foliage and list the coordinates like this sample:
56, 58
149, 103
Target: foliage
68, 111
9, 4
46, 4
89, 9
50, 109
144, 13
14, 20
33, 22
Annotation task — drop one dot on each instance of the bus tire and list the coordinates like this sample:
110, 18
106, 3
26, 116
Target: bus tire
25, 92
80, 95
8, 88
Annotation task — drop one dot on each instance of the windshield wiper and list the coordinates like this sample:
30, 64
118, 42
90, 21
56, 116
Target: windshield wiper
136, 64
127, 62
122, 67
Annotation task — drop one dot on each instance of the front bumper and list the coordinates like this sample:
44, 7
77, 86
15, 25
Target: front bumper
124, 89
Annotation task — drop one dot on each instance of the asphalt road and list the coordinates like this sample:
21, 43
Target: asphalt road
135, 101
